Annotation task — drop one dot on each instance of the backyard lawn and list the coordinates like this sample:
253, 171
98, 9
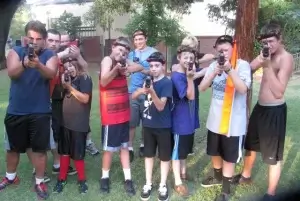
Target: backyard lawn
198, 165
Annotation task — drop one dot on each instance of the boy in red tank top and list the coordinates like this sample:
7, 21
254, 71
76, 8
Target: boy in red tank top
115, 111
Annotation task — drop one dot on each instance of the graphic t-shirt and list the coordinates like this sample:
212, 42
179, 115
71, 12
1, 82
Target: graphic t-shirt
183, 113
153, 118
238, 119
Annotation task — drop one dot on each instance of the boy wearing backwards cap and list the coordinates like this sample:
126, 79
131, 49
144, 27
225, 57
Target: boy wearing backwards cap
227, 118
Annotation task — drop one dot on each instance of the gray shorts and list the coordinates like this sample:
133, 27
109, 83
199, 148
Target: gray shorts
52, 142
136, 111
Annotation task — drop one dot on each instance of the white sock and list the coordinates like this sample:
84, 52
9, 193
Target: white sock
11, 176
105, 174
88, 142
56, 166
127, 174
142, 145
39, 181
130, 148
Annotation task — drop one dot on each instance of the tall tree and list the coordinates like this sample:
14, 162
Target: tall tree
245, 32
67, 22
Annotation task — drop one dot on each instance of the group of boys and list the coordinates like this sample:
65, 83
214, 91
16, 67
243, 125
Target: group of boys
167, 108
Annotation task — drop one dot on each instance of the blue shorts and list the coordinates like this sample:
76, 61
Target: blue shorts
114, 137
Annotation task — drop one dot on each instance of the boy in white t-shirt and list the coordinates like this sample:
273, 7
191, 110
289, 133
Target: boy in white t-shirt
224, 138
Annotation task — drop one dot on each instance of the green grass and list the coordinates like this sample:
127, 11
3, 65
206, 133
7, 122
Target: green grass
198, 165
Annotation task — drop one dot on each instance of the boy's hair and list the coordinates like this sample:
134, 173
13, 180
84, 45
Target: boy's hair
158, 57
36, 26
122, 41
190, 41
139, 32
54, 32
223, 39
184, 48
270, 30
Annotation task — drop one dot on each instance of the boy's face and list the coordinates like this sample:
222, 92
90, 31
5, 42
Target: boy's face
185, 58
156, 68
119, 52
71, 68
140, 42
53, 42
273, 43
226, 48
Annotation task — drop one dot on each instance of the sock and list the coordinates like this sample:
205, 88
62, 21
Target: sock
162, 185
79, 164
218, 174
105, 174
226, 184
88, 142
38, 181
130, 148
127, 174
142, 145
56, 166
11, 176
64, 167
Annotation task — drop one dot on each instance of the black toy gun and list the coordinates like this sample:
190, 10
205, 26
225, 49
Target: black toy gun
221, 60
191, 65
266, 50
30, 51
148, 82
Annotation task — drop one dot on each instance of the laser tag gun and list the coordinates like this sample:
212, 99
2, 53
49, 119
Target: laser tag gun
30, 52
266, 50
67, 76
148, 82
123, 63
221, 60
191, 66
74, 42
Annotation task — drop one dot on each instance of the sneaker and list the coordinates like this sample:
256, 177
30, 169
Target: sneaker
59, 186
211, 181
163, 194
104, 185
141, 152
6, 182
240, 179
92, 150
182, 190
146, 192
41, 191
268, 197
82, 186
131, 155
129, 188
46, 178
71, 171
222, 197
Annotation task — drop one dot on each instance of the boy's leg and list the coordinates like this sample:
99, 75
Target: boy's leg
90, 146
134, 123
213, 147
180, 152
231, 152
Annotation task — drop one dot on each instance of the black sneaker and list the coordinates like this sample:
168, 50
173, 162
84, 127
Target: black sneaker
59, 186
163, 193
211, 181
222, 197
268, 197
82, 187
131, 155
129, 188
71, 171
141, 153
146, 192
41, 191
104, 185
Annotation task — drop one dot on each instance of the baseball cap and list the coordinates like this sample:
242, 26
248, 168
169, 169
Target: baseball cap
224, 39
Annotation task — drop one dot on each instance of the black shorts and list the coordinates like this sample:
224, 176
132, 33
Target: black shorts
57, 121
73, 144
28, 131
158, 138
115, 136
182, 146
229, 148
266, 132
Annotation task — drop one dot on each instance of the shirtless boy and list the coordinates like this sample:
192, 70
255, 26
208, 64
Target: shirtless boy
267, 125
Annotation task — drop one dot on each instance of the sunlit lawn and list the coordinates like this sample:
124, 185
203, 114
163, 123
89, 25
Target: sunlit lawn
199, 164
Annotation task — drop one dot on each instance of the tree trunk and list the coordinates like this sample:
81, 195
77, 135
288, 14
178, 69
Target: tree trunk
7, 11
245, 32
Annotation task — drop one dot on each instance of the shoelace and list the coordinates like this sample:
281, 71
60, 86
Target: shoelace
162, 190
146, 188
